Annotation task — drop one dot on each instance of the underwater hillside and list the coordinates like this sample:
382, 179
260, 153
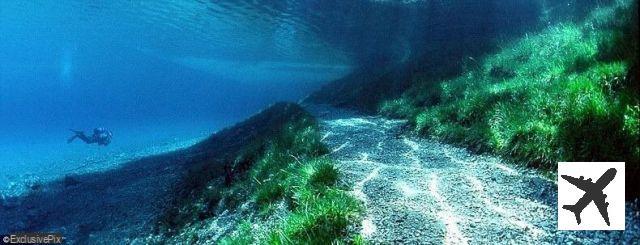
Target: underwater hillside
320, 122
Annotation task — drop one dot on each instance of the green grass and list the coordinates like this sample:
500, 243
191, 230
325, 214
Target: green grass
562, 94
317, 211
319, 218
292, 173
324, 174
285, 191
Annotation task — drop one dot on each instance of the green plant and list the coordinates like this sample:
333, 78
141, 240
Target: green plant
284, 166
268, 191
242, 236
318, 221
291, 169
561, 94
325, 174
398, 108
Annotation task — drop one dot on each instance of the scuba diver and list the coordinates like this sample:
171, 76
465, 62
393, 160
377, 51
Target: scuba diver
101, 136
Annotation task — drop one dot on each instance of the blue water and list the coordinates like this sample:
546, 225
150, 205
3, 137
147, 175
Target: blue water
164, 74
170, 72
159, 74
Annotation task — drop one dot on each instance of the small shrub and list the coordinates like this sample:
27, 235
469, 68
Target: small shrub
325, 174
424, 121
318, 221
398, 108
268, 192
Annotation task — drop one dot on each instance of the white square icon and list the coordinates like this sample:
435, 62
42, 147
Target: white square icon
591, 196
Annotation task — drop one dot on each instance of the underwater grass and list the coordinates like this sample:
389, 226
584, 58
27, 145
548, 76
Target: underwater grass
290, 189
316, 211
564, 94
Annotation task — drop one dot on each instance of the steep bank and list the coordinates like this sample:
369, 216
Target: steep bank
264, 180
548, 96
434, 40
264, 169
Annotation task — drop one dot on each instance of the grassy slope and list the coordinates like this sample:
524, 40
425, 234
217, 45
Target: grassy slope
279, 173
294, 189
564, 94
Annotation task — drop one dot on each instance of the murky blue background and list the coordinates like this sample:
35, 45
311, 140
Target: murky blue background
157, 73
163, 74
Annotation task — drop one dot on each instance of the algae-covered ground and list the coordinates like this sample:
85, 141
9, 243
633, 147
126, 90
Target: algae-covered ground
569, 92
564, 92
276, 188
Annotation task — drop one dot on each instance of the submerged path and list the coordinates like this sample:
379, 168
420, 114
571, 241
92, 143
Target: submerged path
419, 191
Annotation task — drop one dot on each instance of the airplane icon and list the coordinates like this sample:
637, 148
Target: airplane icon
593, 192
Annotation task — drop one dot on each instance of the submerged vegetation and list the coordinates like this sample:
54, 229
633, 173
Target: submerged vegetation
312, 209
279, 186
567, 93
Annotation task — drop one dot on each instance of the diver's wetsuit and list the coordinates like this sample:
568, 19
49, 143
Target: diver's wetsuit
101, 136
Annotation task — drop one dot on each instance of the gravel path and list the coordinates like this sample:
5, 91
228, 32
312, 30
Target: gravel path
419, 191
